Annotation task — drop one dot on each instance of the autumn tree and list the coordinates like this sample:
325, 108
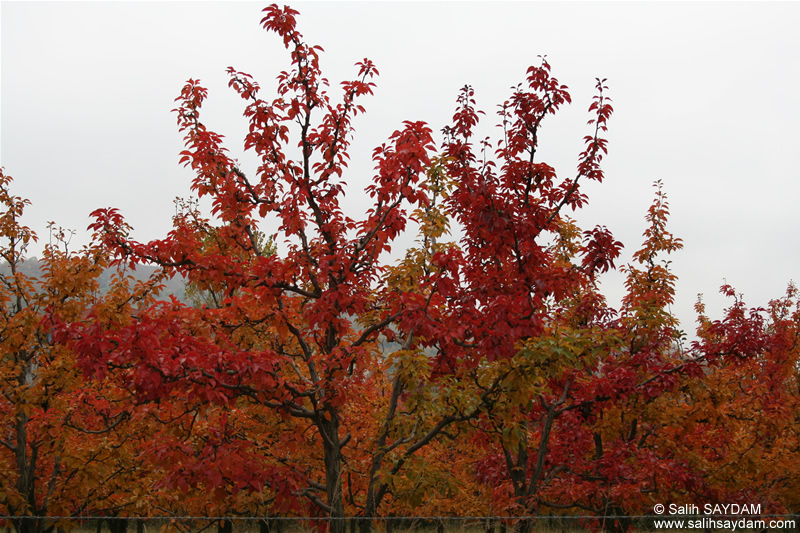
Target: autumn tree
736, 425
649, 418
62, 449
579, 430
284, 337
298, 332
483, 304
606, 450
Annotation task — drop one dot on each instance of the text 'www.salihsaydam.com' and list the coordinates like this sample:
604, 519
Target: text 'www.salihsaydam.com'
731, 517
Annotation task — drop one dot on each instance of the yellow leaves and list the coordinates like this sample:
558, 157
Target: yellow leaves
514, 434
568, 242
434, 222
563, 347
523, 385
412, 366
438, 480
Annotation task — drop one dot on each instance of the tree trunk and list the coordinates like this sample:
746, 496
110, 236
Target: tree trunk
26, 475
532, 485
27, 525
616, 525
117, 525
26, 463
365, 524
333, 472
518, 472
225, 526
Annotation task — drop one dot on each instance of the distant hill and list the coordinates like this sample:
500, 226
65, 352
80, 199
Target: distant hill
31, 267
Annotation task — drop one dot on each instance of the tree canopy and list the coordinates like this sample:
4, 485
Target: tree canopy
476, 376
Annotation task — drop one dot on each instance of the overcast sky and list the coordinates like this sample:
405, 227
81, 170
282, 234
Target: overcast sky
705, 97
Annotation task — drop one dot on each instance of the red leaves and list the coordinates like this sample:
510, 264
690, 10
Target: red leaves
508, 214
741, 334
282, 22
599, 249
601, 106
596, 146
539, 80
279, 332
465, 117
366, 68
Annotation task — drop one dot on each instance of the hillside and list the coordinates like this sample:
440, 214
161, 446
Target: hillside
173, 287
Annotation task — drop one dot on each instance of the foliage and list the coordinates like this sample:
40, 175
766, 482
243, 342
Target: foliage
68, 446
310, 377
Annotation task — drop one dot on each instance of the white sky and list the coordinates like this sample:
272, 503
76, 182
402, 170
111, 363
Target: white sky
705, 97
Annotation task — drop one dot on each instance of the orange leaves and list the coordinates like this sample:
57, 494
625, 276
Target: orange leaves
651, 289
658, 239
10, 228
737, 419
56, 424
